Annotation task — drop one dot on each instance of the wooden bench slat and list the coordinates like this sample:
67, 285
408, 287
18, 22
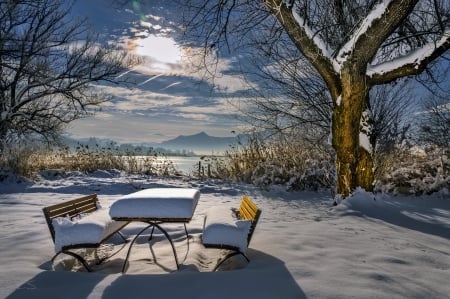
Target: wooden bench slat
73, 209
248, 210
87, 198
86, 204
70, 212
249, 203
245, 214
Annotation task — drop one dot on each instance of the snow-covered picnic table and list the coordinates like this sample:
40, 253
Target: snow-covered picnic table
156, 206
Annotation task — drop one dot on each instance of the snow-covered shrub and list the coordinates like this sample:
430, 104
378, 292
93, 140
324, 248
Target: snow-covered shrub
417, 172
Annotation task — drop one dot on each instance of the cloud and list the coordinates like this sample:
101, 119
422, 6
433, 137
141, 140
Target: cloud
165, 96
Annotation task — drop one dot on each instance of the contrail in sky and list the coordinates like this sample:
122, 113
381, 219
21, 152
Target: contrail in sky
173, 84
152, 78
123, 74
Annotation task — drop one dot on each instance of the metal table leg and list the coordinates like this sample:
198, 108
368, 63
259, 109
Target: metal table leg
153, 225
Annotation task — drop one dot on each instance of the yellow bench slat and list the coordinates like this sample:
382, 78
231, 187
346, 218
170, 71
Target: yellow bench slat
248, 210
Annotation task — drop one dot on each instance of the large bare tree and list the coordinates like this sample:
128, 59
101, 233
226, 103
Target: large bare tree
48, 62
353, 45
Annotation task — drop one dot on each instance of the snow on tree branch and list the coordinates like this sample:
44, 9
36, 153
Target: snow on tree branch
411, 63
319, 42
348, 47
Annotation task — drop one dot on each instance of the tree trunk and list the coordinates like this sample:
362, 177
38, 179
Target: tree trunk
354, 163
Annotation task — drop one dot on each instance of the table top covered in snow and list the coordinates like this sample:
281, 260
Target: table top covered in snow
157, 204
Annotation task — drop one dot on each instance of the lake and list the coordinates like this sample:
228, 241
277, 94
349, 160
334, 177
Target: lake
185, 164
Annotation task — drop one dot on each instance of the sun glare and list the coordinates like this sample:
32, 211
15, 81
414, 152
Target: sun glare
162, 49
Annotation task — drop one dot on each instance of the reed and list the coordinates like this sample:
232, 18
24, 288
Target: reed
27, 161
296, 164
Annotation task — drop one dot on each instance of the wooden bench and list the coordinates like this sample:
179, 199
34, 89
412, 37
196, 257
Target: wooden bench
222, 231
80, 223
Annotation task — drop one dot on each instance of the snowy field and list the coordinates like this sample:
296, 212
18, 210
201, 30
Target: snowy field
394, 247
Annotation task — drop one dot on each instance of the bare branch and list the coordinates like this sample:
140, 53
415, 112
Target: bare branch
48, 63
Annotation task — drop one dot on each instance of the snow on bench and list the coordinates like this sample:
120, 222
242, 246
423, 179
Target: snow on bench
80, 223
231, 229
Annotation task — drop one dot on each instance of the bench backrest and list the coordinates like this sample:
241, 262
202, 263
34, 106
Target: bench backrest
70, 208
248, 210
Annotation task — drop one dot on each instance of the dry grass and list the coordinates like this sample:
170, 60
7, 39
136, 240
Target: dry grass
281, 162
27, 161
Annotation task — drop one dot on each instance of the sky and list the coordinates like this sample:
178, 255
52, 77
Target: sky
167, 98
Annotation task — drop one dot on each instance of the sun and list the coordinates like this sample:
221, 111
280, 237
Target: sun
160, 48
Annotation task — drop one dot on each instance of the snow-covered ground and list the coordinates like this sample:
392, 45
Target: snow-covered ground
303, 247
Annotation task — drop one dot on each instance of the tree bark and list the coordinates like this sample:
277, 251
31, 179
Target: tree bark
354, 163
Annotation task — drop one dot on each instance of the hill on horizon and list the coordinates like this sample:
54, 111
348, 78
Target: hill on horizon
200, 143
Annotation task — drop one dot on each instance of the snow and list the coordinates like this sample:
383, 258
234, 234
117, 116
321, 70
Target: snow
365, 131
222, 228
3, 115
415, 57
157, 203
339, 100
89, 229
347, 48
367, 247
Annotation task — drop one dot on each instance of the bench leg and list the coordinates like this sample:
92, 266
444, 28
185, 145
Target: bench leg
229, 256
76, 256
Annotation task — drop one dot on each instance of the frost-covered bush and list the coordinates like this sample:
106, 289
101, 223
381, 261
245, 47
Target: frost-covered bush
417, 171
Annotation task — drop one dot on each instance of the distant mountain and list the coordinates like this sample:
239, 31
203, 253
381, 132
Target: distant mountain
200, 142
